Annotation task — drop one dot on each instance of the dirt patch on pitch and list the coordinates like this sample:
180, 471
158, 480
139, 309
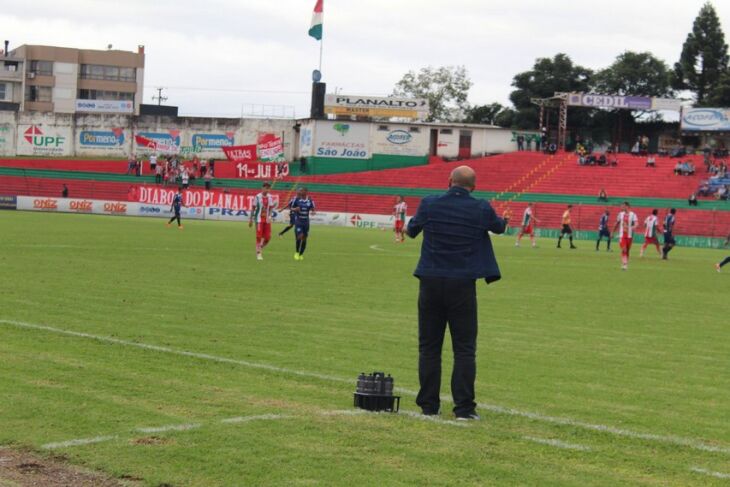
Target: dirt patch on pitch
23, 469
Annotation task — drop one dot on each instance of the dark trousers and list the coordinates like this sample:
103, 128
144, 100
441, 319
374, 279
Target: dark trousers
442, 301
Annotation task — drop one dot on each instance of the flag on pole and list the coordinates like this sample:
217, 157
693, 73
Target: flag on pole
315, 30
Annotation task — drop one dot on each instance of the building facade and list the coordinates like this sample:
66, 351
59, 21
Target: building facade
66, 80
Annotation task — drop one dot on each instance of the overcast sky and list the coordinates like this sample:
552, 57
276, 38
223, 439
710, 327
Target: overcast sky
219, 57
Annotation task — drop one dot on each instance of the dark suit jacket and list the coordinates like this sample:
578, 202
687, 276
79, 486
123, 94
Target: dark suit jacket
456, 241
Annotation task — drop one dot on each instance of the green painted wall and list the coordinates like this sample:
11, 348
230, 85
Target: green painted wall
330, 165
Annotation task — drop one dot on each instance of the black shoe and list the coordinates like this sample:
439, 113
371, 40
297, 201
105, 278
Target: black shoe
428, 412
559, 246
468, 417
573, 247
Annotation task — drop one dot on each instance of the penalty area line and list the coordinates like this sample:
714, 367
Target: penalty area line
564, 421
710, 473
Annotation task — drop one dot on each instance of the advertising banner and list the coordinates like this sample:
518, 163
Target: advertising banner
107, 139
198, 197
260, 170
306, 140
342, 140
609, 101
35, 140
706, 120
167, 143
400, 141
213, 142
240, 153
105, 106
666, 104
374, 106
8, 202
362, 220
270, 148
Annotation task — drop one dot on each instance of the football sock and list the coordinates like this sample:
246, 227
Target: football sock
302, 246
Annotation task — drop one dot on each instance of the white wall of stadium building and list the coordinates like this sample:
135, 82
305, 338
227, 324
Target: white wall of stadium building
47, 134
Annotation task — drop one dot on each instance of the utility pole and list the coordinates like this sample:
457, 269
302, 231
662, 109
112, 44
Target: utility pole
159, 96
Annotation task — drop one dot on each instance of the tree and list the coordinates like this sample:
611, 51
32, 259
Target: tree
720, 95
704, 57
634, 74
446, 89
486, 114
546, 77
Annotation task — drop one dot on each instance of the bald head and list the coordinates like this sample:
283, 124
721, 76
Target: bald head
464, 177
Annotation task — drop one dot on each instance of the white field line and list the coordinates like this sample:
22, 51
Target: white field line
669, 439
717, 475
169, 427
435, 419
77, 442
260, 417
557, 443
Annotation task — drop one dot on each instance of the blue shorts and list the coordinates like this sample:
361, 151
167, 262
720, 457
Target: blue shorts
302, 229
292, 218
668, 238
604, 233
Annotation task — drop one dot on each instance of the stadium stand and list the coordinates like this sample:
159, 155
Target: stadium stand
509, 180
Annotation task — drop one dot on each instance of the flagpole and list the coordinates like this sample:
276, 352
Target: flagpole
321, 43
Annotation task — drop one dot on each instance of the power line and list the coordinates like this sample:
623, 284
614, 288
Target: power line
233, 90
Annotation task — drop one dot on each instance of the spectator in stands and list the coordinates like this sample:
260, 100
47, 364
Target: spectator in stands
520, 142
602, 195
153, 163
528, 142
196, 168
643, 145
678, 168
302, 164
651, 161
635, 149
185, 177
158, 174
722, 193
692, 200
552, 148
678, 151
211, 167
131, 164
704, 189
138, 167
64, 192
614, 161
203, 167
208, 180
601, 160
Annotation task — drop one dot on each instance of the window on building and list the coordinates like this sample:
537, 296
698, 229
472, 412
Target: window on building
43, 68
127, 74
383, 128
415, 130
105, 95
446, 131
38, 93
3, 91
107, 73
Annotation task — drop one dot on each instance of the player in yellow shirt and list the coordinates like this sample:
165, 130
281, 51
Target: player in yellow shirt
566, 230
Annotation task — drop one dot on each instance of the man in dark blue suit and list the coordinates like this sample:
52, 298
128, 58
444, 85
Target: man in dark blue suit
456, 251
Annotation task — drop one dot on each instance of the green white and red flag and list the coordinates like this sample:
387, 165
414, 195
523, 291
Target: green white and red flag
315, 30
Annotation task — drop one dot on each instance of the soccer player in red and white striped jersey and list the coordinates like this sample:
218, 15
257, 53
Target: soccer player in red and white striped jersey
625, 224
651, 232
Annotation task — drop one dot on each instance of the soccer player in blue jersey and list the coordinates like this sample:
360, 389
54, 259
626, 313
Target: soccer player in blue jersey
603, 231
292, 214
303, 206
726, 260
175, 207
669, 222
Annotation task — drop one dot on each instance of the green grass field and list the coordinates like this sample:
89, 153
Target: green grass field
176, 358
